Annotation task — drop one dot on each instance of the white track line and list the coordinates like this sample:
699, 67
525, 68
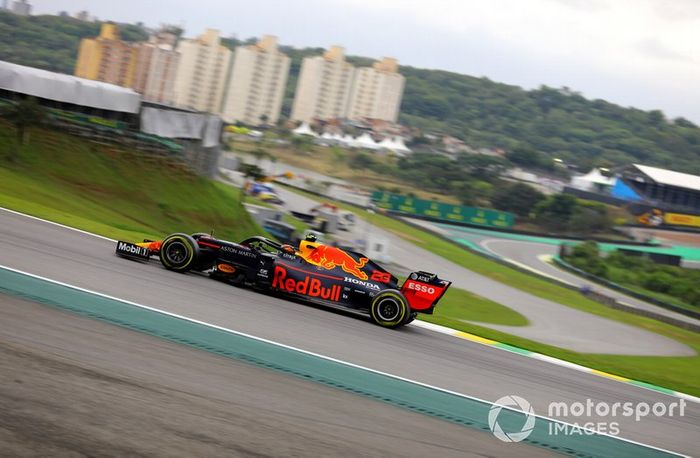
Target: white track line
324, 357
56, 224
422, 324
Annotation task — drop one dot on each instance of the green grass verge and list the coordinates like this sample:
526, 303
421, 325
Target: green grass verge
458, 305
112, 192
677, 373
109, 191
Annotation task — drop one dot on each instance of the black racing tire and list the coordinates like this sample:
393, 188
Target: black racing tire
410, 317
179, 252
389, 309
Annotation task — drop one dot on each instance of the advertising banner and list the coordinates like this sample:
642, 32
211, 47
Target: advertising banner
678, 219
448, 213
656, 217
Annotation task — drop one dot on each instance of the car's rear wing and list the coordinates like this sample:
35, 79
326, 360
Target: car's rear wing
423, 290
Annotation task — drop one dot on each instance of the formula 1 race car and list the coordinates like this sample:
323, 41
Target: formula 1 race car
314, 272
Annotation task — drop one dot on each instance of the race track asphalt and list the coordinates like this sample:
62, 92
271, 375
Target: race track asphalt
415, 353
73, 386
550, 323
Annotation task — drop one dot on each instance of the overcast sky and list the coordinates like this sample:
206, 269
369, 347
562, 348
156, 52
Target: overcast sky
641, 53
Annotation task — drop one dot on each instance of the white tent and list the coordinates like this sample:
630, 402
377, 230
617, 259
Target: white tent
304, 129
400, 146
387, 144
347, 141
593, 181
395, 145
326, 139
365, 141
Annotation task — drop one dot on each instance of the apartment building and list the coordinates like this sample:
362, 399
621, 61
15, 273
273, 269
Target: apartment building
323, 89
377, 92
154, 75
201, 73
256, 87
107, 58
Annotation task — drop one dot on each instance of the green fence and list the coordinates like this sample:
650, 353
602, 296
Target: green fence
442, 211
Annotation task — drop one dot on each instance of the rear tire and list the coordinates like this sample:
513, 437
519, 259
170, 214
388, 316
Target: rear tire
410, 317
389, 309
179, 252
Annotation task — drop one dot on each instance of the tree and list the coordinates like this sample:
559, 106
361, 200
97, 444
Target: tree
682, 122
251, 170
552, 122
518, 198
259, 153
586, 256
419, 140
362, 161
302, 143
589, 217
474, 192
174, 29
482, 166
482, 192
656, 117
23, 115
526, 156
555, 212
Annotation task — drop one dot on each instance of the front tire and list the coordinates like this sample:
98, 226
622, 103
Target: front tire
179, 252
389, 309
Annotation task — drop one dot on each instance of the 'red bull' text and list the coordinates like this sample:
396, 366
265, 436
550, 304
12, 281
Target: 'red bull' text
307, 287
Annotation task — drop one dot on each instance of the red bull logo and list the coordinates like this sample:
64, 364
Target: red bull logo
306, 287
330, 257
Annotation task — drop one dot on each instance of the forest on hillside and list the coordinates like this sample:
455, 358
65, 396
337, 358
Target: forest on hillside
532, 126
51, 42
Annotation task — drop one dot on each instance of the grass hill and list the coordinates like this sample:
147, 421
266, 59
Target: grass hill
534, 126
111, 191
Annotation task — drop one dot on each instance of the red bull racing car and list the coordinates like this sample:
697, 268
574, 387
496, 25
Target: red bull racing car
315, 272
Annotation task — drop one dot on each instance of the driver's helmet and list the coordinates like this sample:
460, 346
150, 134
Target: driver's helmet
307, 246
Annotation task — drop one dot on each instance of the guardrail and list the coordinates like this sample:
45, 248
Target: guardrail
531, 233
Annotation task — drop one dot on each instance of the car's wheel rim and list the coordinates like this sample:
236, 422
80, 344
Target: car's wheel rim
388, 309
176, 252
